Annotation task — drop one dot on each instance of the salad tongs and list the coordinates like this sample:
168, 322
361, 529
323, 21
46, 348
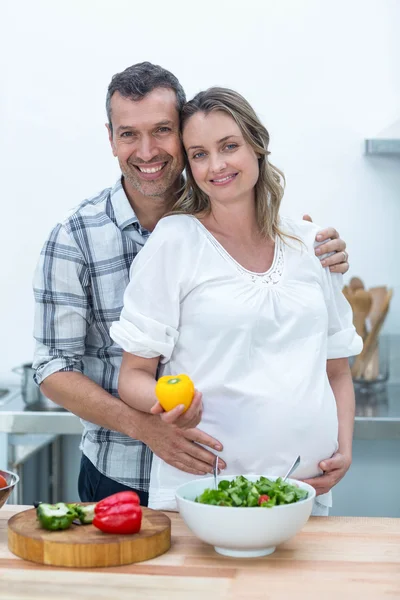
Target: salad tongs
216, 473
292, 468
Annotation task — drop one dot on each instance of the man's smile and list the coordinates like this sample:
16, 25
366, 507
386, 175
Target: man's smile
151, 172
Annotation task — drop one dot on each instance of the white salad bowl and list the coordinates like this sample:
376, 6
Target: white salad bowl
242, 532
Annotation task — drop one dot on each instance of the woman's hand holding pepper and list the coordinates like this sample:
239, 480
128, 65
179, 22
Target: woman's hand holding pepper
184, 420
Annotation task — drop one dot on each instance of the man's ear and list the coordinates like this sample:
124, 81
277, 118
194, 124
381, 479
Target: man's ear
110, 137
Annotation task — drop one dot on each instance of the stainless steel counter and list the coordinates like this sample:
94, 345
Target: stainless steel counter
25, 431
378, 413
16, 417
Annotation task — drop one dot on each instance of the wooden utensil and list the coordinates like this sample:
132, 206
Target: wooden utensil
86, 546
347, 293
356, 284
361, 302
371, 368
371, 341
378, 295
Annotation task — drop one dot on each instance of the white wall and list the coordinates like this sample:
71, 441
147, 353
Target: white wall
323, 76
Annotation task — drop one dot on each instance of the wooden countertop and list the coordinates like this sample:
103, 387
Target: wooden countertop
334, 557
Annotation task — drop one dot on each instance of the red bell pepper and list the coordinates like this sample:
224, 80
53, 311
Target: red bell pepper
117, 500
119, 513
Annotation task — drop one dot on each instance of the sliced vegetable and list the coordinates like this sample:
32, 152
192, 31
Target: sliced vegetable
55, 516
3, 482
240, 492
128, 522
119, 513
117, 499
84, 513
263, 498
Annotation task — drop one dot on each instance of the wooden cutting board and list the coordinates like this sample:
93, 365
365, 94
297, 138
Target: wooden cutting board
86, 546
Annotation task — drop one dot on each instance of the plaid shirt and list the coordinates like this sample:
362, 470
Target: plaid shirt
79, 284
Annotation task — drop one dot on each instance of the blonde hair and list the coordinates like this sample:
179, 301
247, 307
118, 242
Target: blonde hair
271, 181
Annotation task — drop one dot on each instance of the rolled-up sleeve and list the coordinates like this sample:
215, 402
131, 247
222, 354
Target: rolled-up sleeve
343, 340
148, 325
62, 306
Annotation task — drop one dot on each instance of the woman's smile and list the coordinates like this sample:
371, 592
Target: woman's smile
224, 180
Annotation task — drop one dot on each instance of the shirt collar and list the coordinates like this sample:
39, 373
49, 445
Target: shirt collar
123, 211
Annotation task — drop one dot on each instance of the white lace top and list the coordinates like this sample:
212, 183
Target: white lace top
255, 345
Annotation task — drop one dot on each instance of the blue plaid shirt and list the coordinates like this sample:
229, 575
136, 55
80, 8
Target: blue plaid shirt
79, 284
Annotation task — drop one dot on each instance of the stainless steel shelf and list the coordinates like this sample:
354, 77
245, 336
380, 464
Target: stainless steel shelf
16, 417
382, 147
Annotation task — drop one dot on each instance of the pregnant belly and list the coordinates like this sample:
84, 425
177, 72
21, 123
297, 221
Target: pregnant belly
268, 438
262, 442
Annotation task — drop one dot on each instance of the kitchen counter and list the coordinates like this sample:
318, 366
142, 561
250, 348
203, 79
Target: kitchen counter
17, 417
348, 557
24, 431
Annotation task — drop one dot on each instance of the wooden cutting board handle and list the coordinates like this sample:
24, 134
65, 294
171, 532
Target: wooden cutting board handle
84, 545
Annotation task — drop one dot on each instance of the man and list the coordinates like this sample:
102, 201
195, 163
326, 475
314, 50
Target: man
79, 285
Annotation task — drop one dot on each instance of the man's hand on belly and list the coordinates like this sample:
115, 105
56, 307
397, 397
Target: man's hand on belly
181, 448
335, 468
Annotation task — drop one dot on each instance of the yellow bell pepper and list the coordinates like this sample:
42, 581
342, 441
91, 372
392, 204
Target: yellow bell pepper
172, 390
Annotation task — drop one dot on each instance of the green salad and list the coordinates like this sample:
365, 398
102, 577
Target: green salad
244, 493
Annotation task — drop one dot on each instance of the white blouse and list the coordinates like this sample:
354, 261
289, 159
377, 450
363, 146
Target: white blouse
255, 345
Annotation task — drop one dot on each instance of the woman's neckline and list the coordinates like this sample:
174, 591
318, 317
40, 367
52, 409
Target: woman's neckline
229, 256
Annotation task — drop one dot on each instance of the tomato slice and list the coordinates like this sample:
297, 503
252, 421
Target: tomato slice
3, 482
263, 498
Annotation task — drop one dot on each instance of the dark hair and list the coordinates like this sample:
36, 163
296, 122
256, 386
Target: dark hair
139, 80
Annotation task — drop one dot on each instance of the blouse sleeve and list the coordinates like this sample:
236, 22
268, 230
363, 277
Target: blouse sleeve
148, 324
343, 340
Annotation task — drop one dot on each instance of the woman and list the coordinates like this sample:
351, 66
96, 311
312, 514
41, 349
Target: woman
241, 304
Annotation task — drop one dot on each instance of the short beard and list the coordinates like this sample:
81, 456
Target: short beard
155, 193
166, 189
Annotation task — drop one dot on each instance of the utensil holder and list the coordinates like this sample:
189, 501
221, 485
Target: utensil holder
376, 372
